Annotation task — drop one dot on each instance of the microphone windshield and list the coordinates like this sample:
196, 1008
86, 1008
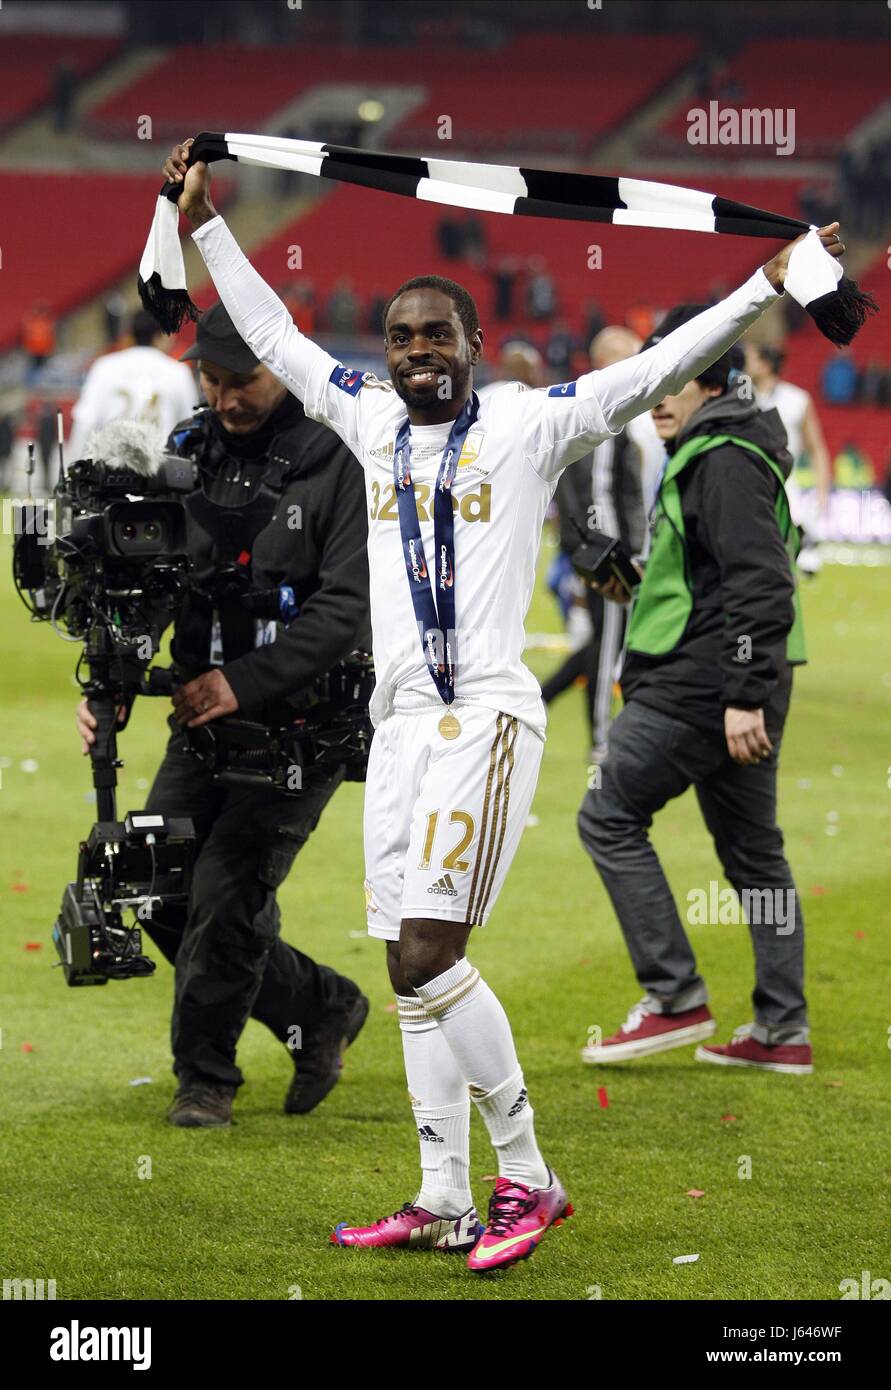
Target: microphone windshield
126, 444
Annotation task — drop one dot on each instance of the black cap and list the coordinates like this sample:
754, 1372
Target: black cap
718, 374
218, 342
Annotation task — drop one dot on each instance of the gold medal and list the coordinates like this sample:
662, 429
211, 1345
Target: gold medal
449, 726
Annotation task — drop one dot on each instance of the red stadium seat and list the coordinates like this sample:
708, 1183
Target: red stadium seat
28, 63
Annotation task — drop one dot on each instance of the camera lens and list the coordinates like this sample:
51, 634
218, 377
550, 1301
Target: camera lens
152, 531
128, 531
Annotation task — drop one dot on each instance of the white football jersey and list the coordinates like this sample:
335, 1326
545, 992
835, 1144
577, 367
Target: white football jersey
508, 469
136, 383
791, 403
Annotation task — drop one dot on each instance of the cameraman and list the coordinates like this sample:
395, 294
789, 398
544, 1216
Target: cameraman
279, 502
713, 636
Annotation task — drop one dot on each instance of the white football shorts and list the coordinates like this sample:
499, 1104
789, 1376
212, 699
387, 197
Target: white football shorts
444, 816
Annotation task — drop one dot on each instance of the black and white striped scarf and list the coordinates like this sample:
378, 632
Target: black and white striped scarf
814, 278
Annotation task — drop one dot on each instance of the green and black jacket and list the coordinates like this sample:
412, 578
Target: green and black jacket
722, 571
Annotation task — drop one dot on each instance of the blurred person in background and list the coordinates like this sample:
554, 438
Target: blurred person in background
839, 379
38, 337
519, 361
798, 413
600, 492
139, 383
713, 637
343, 309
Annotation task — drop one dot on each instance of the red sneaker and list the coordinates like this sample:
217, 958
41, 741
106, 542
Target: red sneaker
644, 1032
744, 1051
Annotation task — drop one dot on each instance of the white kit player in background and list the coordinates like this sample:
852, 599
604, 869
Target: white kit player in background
139, 383
798, 413
457, 484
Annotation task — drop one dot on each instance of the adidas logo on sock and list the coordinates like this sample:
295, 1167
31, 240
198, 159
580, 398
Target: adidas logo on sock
445, 887
428, 1133
521, 1101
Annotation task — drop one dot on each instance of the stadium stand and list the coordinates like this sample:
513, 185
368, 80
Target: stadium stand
80, 233
231, 87
28, 63
831, 85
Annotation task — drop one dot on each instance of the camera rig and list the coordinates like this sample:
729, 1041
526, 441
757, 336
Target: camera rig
333, 729
105, 562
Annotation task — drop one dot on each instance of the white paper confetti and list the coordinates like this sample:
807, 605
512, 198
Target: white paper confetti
140, 1081
29, 765
684, 1259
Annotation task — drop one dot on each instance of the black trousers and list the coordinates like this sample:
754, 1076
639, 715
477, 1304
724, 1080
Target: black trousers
651, 759
230, 961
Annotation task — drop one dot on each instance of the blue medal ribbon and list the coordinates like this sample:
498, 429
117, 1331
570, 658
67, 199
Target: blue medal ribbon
433, 595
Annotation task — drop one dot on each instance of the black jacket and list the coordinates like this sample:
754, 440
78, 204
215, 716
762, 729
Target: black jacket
314, 539
603, 491
742, 582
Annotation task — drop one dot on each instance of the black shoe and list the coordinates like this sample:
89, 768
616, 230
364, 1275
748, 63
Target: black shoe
319, 1062
199, 1105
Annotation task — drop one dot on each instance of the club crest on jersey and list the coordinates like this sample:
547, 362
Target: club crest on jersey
346, 379
416, 560
470, 453
567, 389
446, 577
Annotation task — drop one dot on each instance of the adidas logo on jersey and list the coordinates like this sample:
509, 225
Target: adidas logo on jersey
429, 1135
519, 1104
444, 887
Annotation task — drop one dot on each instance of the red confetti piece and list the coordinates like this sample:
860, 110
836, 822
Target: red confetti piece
18, 888
585, 960
860, 935
728, 1119
33, 945
817, 891
389, 1008
27, 1047
601, 1096
695, 1192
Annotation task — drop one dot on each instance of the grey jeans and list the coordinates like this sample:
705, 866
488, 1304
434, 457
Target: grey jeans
651, 759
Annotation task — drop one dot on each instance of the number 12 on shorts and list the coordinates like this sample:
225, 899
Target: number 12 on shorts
453, 859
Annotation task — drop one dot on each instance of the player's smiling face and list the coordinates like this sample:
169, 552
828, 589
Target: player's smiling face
429, 356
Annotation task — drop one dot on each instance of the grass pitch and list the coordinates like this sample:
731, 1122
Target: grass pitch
246, 1213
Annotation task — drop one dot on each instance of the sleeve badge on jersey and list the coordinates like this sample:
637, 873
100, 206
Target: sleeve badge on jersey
348, 380
567, 389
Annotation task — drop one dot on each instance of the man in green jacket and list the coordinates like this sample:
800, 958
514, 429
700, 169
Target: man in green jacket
714, 633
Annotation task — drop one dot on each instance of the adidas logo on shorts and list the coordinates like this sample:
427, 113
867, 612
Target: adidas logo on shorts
444, 887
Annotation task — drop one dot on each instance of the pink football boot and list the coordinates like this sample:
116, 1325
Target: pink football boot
416, 1228
518, 1218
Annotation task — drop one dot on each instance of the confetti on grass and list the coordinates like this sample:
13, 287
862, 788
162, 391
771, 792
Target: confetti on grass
684, 1259
602, 1097
694, 1192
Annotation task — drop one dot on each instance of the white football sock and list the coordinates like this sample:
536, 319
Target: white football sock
477, 1030
441, 1104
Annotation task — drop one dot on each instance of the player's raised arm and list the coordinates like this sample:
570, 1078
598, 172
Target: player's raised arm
572, 418
328, 392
